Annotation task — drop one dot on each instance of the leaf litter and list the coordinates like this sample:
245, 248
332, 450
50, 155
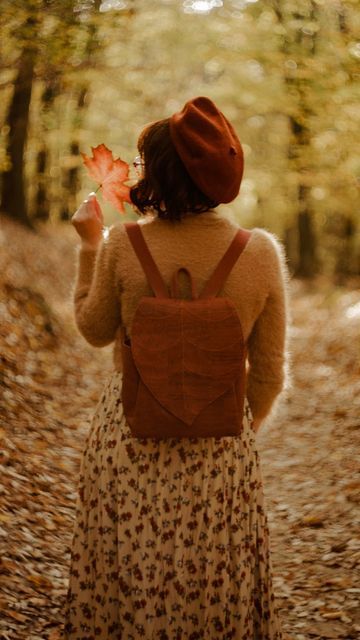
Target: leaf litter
51, 381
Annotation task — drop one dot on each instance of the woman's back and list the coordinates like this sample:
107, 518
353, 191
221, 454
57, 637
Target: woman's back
198, 242
171, 538
256, 285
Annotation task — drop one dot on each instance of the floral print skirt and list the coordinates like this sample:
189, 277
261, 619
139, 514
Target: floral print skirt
171, 540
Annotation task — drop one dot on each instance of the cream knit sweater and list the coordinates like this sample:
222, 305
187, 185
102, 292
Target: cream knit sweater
110, 283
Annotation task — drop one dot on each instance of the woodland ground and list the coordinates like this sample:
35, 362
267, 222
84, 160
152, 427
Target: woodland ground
50, 382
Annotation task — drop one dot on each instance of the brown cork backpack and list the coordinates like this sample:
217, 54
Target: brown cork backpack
184, 369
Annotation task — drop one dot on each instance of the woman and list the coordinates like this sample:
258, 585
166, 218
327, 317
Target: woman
171, 539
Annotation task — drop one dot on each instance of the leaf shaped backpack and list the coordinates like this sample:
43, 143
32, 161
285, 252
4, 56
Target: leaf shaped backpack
184, 369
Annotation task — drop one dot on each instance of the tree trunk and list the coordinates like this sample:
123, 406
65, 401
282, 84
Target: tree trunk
71, 183
71, 179
346, 255
42, 203
41, 199
13, 198
307, 262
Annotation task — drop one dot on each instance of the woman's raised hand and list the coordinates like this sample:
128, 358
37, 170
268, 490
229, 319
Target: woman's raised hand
89, 222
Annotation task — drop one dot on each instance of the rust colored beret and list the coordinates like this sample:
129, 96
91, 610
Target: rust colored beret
209, 148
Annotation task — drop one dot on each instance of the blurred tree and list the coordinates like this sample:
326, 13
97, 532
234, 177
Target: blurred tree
102, 69
71, 180
347, 262
50, 91
13, 197
298, 46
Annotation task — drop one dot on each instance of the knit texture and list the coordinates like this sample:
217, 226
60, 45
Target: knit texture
110, 283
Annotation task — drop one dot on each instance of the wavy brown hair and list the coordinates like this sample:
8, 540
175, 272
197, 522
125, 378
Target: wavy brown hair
166, 187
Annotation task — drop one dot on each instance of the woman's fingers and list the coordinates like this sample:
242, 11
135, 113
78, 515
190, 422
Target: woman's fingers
94, 206
89, 208
88, 219
98, 210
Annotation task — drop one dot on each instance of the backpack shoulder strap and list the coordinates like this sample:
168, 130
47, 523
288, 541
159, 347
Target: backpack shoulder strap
146, 260
223, 268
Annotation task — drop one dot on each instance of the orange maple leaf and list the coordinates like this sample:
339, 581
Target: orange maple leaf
111, 174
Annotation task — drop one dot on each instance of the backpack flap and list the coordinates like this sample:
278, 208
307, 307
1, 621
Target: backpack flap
187, 353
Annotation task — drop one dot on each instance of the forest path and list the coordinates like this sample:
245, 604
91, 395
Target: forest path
310, 462
51, 380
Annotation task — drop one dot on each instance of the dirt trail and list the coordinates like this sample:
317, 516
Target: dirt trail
310, 462
50, 382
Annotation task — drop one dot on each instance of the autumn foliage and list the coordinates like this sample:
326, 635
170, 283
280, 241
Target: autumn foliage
110, 174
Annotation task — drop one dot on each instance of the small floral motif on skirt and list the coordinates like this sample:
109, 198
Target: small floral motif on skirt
171, 540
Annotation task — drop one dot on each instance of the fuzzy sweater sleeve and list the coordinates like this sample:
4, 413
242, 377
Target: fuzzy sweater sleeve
267, 345
97, 293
